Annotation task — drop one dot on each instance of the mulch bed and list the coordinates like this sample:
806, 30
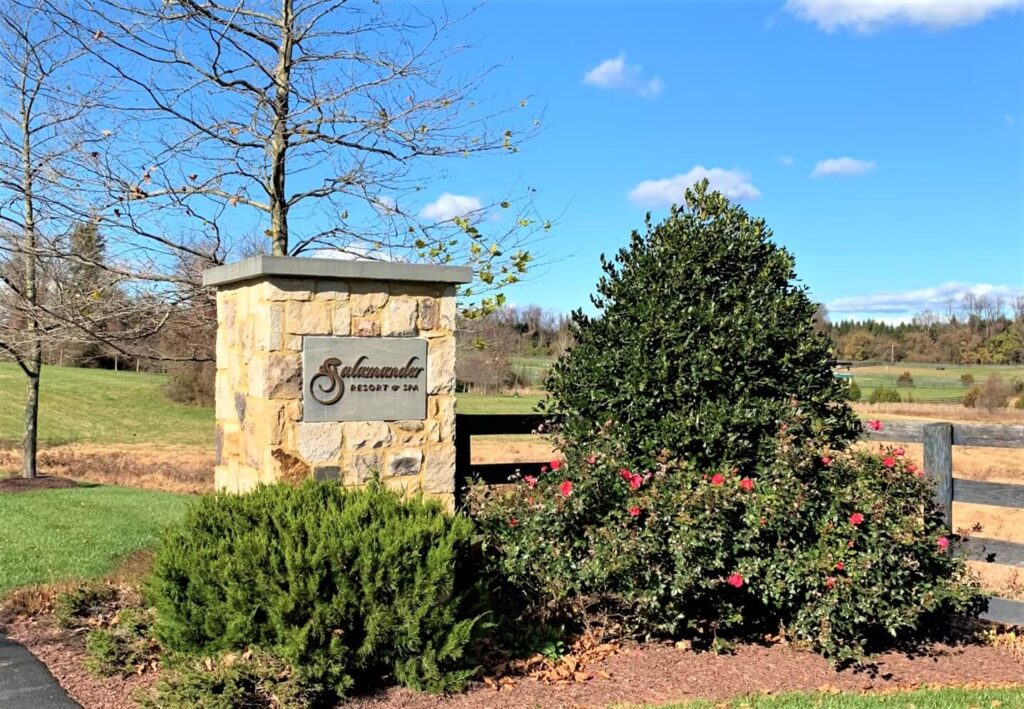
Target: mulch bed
653, 673
43, 482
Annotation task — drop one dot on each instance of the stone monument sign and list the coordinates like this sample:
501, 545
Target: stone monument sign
336, 370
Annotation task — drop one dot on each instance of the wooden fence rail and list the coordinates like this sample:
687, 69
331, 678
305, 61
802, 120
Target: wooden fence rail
938, 440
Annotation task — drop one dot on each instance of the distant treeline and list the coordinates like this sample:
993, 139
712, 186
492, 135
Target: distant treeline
977, 330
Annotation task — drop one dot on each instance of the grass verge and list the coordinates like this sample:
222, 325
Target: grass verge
78, 533
940, 698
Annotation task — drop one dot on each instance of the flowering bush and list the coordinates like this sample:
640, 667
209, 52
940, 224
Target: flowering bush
836, 549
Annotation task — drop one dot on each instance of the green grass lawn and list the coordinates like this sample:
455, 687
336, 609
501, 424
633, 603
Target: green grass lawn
100, 406
946, 698
494, 404
77, 533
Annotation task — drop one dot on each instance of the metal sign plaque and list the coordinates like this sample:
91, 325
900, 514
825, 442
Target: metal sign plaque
364, 378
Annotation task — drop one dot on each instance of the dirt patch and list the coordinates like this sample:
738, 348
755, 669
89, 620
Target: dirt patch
43, 482
170, 469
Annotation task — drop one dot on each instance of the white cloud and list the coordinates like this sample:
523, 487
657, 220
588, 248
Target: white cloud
661, 193
448, 206
905, 303
868, 15
616, 74
787, 160
842, 166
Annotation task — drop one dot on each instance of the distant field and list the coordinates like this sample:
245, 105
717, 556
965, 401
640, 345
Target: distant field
109, 408
932, 382
100, 406
532, 370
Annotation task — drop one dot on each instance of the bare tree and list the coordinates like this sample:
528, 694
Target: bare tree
316, 123
39, 138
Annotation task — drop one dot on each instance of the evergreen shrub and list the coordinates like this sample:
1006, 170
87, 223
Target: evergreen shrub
884, 395
350, 587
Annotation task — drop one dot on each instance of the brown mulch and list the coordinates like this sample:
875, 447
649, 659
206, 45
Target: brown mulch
43, 482
664, 673
652, 673
63, 653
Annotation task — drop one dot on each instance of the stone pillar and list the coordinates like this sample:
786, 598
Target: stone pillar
294, 332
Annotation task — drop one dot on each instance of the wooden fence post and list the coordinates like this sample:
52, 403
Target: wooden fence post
938, 465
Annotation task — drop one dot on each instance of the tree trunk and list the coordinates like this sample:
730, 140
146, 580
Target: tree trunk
279, 139
31, 439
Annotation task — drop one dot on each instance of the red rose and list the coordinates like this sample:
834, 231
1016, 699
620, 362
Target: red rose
830, 582
839, 566
530, 481
943, 543
635, 482
717, 479
911, 468
556, 464
565, 488
513, 522
898, 452
735, 580
825, 460
747, 484
625, 474
856, 518
888, 461
875, 425
634, 511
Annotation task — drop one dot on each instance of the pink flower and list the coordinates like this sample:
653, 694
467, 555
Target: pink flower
747, 484
556, 464
634, 511
943, 543
625, 474
830, 582
856, 518
543, 468
531, 481
875, 425
565, 488
635, 481
898, 452
717, 479
911, 468
825, 460
591, 459
888, 461
735, 580
840, 566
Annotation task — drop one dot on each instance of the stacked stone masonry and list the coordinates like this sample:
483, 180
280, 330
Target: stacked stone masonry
261, 437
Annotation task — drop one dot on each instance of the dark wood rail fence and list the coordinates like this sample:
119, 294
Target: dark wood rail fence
938, 440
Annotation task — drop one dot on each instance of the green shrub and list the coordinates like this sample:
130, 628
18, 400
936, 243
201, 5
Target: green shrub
701, 343
255, 680
72, 608
967, 380
843, 552
1019, 403
122, 648
853, 391
884, 395
905, 380
347, 586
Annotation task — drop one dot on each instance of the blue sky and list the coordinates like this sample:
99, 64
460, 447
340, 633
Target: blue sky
882, 141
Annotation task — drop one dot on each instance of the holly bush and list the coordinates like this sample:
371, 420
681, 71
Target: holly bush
701, 341
837, 550
349, 587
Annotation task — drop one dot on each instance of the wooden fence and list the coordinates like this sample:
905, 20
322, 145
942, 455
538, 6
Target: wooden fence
938, 440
